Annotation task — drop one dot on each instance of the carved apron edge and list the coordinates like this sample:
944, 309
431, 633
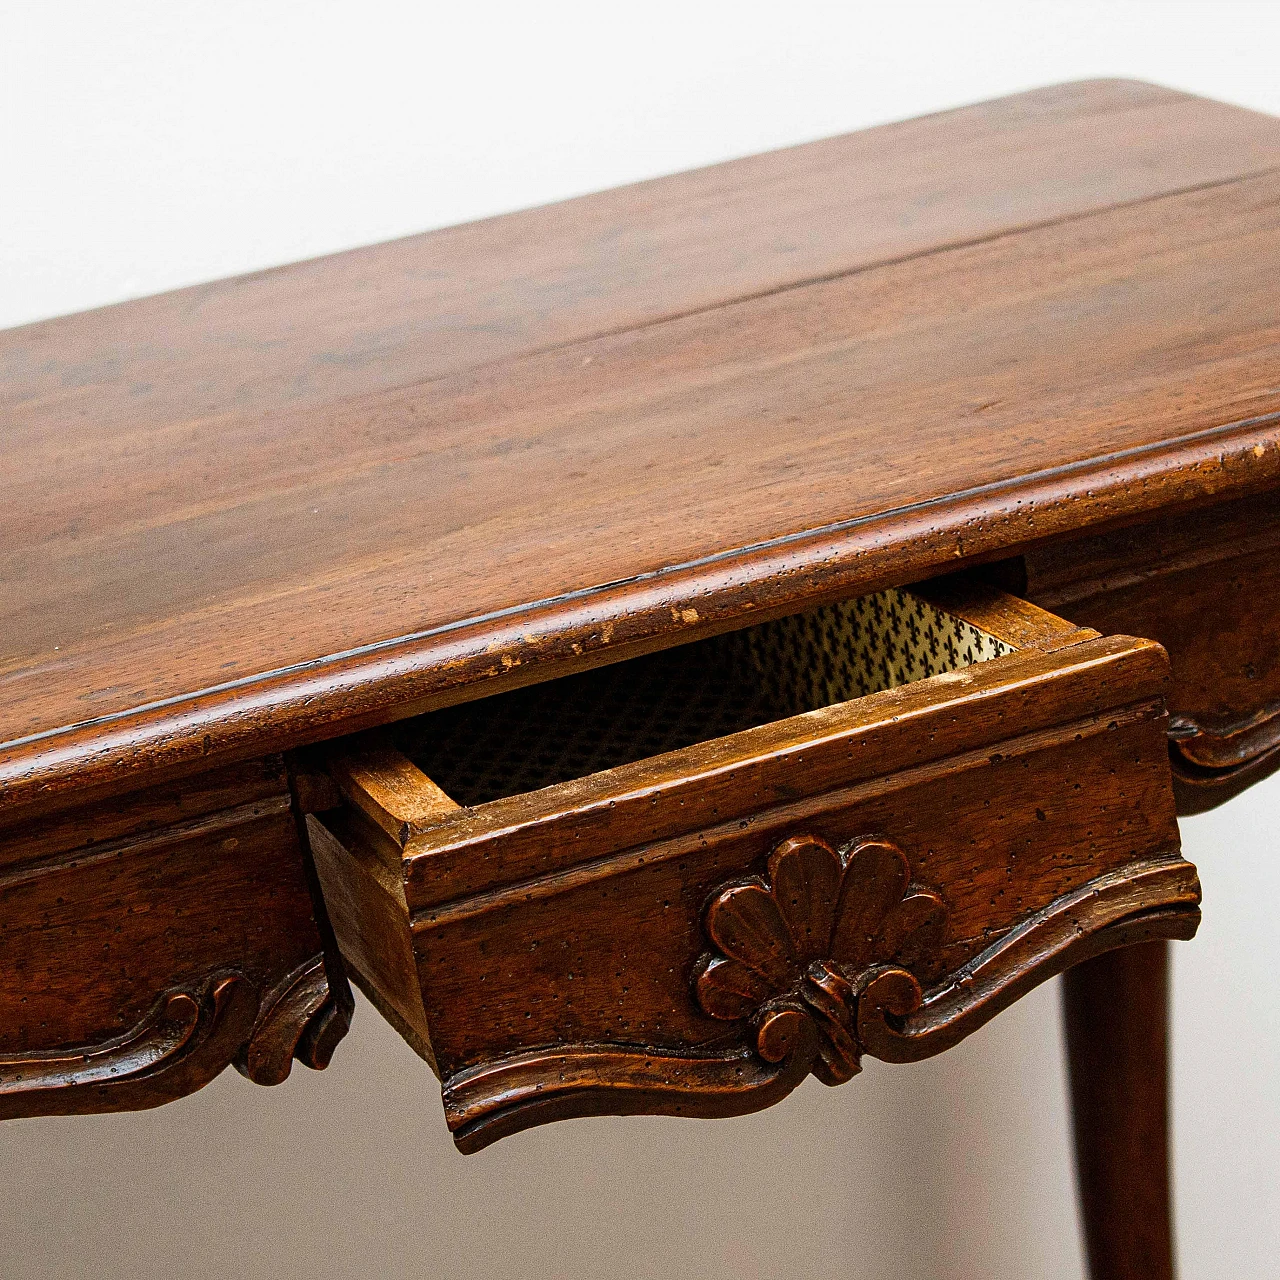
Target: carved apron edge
188, 1037
798, 1014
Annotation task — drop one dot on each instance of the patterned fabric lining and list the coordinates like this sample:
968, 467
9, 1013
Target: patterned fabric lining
578, 725
856, 647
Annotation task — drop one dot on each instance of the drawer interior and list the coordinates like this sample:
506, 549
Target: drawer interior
578, 725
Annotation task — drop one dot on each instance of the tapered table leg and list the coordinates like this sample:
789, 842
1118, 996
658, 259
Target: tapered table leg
1116, 1013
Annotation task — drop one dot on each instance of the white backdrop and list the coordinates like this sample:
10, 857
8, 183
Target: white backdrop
149, 145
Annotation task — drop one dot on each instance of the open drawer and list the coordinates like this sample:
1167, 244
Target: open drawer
681, 882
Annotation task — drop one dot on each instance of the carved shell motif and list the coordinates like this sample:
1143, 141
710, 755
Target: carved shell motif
807, 942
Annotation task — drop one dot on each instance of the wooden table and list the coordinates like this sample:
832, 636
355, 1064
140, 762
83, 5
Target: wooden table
512, 618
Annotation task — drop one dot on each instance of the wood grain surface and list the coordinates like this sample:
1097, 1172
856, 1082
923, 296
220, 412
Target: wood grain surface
270, 510
689, 933
1206, 586
150, 940
1115, 1014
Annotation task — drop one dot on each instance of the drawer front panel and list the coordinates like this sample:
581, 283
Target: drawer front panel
608, 953
694, 932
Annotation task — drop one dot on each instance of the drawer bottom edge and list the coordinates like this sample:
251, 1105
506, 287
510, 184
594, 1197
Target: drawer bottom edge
883, 1013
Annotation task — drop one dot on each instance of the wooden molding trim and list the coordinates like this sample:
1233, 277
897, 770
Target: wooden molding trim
1197, 789
1160, 898
885, 1012
188, 1038
496, 1099
1210, 768
1242, 744
407, 675
303, 1019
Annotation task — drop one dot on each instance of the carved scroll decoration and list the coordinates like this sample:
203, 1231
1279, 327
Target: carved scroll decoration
1210, 768
788, 995
186, 1039
809, 939
189, 1036
305, 1018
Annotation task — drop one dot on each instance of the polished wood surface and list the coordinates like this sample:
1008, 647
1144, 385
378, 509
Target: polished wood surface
1205, 585
692, 933
249, 514
1025, 347
152, 940
1116, 1011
